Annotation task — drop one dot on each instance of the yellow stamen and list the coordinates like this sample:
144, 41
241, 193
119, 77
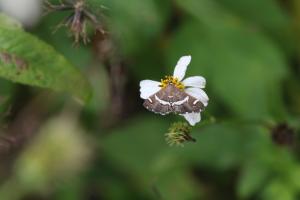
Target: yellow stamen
171, 80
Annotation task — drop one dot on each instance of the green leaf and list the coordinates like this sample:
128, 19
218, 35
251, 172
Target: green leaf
28, 60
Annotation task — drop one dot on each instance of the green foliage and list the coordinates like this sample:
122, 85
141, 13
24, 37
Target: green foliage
26, 59
248, 52
131, 27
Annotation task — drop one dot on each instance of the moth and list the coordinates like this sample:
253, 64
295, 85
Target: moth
171, 99
177, 95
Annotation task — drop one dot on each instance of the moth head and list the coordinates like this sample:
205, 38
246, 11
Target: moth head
171, 80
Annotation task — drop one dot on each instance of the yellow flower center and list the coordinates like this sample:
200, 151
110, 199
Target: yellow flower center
171, 80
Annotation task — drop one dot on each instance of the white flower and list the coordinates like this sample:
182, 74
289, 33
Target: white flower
192, 86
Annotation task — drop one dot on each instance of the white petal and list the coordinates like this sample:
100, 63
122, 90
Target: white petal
198, 94
195, 81
181, 67
148, 88
192, 118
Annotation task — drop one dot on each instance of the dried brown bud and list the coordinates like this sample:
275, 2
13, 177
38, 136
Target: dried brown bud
77, 20
283, 135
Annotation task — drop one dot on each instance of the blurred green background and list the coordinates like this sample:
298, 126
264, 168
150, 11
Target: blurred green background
112, 148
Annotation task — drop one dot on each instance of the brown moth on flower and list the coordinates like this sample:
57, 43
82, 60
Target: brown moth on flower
175, 95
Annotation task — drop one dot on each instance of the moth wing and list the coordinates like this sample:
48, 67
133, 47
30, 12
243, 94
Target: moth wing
187, 104
172, 99
155, 103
